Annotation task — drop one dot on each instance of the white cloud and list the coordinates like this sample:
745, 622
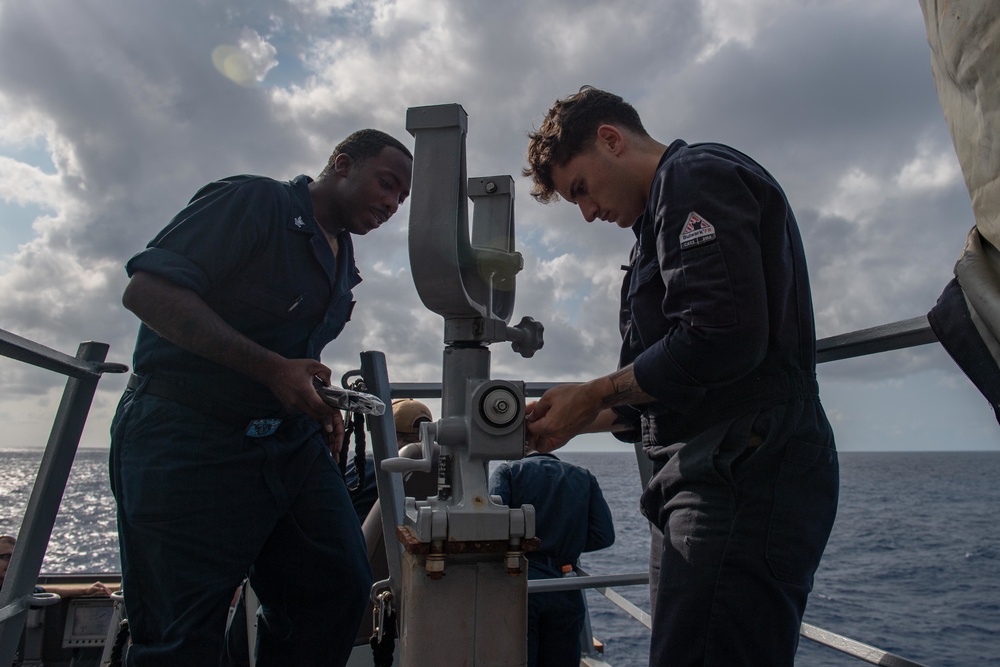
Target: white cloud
930, 171
23, 184
737, 21
132, 128
322, 7
856, 196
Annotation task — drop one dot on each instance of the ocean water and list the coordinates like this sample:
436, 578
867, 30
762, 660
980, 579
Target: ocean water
913, 564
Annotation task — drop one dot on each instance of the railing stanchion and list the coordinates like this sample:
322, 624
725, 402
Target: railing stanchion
43, 503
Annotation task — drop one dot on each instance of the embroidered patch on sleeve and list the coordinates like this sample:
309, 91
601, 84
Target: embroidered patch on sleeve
697, 230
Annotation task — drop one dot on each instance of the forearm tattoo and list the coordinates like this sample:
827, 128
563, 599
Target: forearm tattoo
625, 389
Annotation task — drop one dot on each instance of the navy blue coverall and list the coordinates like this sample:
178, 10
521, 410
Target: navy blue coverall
212, 478
571, 517
717, 321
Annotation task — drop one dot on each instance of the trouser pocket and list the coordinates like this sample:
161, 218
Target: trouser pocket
805, 506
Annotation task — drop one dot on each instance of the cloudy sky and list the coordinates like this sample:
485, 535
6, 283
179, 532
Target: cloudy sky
113, 113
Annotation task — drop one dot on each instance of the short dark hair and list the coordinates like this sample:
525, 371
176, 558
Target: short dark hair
569, 129
362, 145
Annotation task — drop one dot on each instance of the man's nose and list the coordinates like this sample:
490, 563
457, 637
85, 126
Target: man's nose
392, 203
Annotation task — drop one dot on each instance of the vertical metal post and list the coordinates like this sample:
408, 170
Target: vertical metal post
390, 485
43, 503
459, 365
463, 551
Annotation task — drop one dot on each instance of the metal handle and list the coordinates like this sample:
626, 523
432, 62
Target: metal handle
402, 464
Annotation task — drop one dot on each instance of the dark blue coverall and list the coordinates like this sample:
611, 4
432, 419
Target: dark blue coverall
571, 517
206, 492
717, 320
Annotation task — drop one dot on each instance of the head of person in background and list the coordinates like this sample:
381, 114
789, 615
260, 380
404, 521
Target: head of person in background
408, 415
6, 549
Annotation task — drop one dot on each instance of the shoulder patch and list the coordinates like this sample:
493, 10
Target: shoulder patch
696, 230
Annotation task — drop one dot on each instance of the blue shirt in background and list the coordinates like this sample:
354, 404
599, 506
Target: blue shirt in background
571, 515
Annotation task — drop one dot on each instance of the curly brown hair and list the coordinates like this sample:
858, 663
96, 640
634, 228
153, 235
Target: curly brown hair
569, 129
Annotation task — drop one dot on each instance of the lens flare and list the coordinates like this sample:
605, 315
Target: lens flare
233, 64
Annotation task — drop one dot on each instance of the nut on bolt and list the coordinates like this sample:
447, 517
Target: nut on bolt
512, 559
434, 565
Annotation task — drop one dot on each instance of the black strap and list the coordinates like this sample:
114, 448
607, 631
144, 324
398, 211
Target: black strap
117, 656
382, 650
355, 425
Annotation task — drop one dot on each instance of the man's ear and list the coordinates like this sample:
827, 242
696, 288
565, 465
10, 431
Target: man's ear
610, 138
342, 164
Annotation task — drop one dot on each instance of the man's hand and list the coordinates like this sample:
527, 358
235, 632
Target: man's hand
182, 317
562, 412
335, 439
97, 588
567, 410
291, 382
542, 444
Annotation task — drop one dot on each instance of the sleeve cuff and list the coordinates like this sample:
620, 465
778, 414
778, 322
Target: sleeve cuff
171, 266
631, 417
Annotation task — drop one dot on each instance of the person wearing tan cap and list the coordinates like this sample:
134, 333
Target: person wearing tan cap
407, 415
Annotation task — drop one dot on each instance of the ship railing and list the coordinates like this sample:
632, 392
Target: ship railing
85, 370
884, 338
83, 373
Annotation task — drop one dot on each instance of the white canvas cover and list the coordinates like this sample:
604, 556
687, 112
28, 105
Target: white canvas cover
964, 40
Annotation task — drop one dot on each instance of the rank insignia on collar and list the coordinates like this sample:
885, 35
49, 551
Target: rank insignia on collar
697, 230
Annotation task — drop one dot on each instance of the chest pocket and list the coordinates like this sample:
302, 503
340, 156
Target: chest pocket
639, 278
644, 302
709, 292
285, 306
